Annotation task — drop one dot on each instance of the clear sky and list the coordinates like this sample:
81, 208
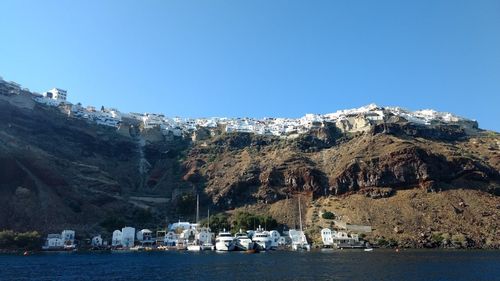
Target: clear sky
258, 58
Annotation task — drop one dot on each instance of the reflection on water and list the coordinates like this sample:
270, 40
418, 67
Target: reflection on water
316, 265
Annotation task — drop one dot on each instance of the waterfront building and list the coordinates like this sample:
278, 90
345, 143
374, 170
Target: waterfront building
145, 236
53, 241
275, 237
117, 238
339, 239
128, 237
171, 238
96, 241
68, 237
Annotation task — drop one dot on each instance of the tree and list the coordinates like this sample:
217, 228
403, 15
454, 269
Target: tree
328, 215
218, 223
247, 221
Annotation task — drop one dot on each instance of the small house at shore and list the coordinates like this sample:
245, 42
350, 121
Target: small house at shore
53, 242
339, 239
128, 237
96, 241
145, 236
275, 237
117, 238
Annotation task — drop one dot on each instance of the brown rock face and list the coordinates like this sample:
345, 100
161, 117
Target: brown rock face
408, 167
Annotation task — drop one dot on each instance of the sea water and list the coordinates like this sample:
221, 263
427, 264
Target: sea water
277, 265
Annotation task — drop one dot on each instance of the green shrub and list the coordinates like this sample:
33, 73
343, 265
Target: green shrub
437, 238
459, 240
247, 221
328, 215
23, 240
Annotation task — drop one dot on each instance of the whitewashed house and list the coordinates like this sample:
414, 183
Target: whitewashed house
326, 237
68, 237
204, 236
53, 242
128, 237
145, 236
56, 94
275, 238
182, 225
117, 238
171, 238
96, 241
332, 238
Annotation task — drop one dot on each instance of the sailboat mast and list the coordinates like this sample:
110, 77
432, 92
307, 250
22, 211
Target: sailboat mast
208, 218
197, 207
300, 215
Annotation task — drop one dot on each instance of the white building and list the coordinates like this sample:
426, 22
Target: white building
117, 238
53, 241
326, 237
204, 236
275, 238
128, 237
56, 94
182, 225
145, 235
332, 238
68, 237
96, 241
171, 238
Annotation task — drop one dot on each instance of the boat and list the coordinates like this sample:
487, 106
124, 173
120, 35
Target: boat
202, 236
368, 249
224, 241
181, 245
207, 246
252, 251
193, 247
262, 239
137, 248
243, 242
299, 240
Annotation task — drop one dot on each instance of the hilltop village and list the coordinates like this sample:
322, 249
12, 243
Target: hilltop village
352, 120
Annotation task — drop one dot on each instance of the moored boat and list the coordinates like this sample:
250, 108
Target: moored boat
262, 239
224, 241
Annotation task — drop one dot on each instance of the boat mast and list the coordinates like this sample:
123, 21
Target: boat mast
300, 215
208, 218
197, 207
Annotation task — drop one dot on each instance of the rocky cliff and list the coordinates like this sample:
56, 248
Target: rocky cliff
58, 171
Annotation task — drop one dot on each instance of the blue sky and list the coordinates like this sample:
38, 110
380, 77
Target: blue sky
258, 58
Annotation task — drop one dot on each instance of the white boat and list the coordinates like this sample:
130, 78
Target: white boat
207, 246
194, 247
368, 249
262, 239
299, 240
224, 241
243, 242
181, 245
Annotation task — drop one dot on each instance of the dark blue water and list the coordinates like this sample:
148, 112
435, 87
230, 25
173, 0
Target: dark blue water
315, 265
